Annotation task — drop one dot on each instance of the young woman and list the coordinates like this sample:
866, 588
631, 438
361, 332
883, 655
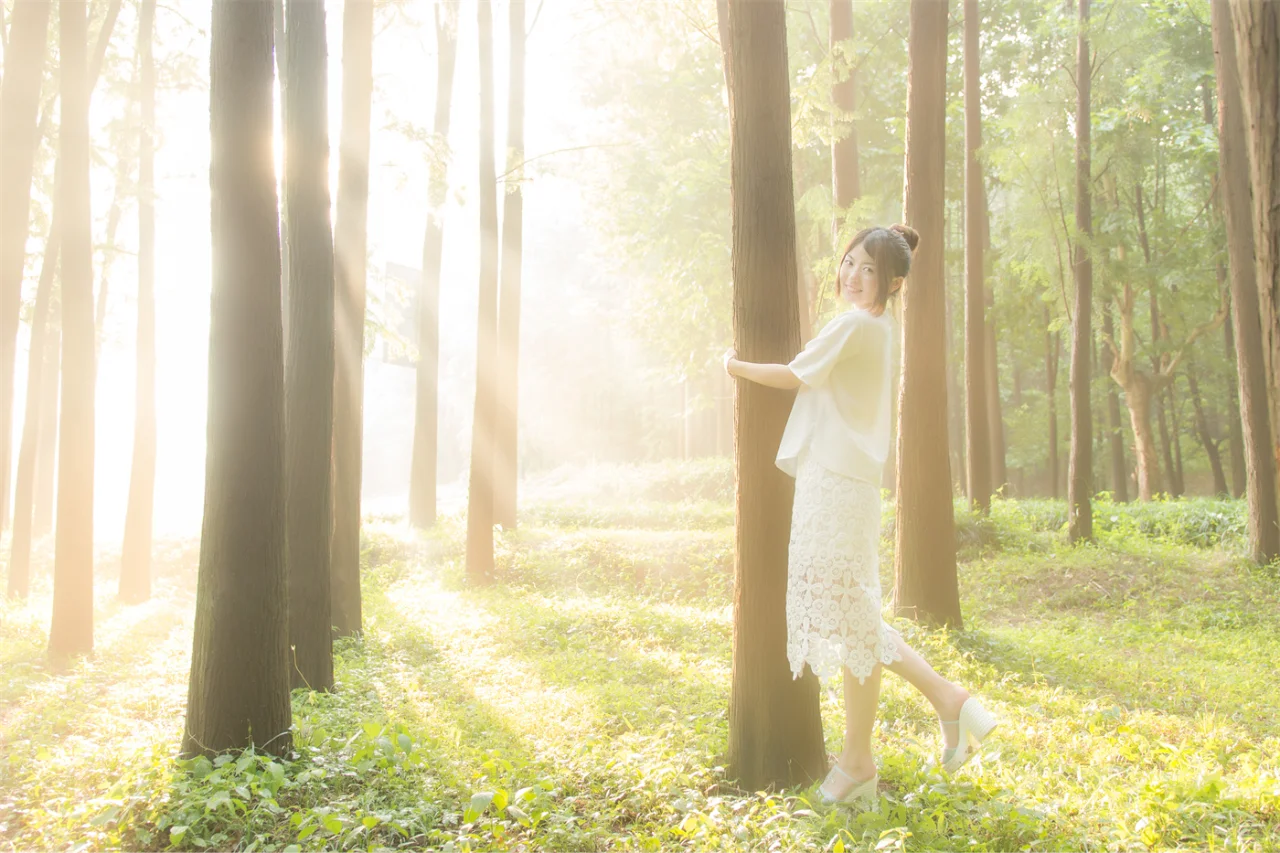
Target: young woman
835, 445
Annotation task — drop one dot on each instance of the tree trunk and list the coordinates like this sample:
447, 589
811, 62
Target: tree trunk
1052, 348
1180, 483
1115, 429
1157, 402
845, 188
926, 588
1246, 302
1080, 462
1206, 435
19, 108
37, 363
239, 690
350, 242
1139, 396
422, 479
775, 730
282, 73
47, 443
135, 563
480, 520
1235, 433
309, 370
507, 459
71, 632
977, 430
995, 418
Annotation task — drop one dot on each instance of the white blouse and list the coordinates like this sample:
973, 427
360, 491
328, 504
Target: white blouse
841, 412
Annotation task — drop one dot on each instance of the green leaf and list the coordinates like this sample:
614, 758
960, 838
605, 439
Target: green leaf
479, 802
500, 799
176, 834
333, 824
516, 813
405, 742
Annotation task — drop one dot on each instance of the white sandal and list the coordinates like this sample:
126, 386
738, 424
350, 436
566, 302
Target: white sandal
975, 724
863, 794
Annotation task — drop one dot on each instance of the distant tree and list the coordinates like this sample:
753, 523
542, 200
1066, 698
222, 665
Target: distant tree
1246, 301
995, 416
1080, 461
238, 695
926, 587
775, 731
350, 243
480, 494
506, 461
309, 372
1052, 360
71, 632
1115, 429
135, 562
977, 429
47, 444
422, 477
19, 137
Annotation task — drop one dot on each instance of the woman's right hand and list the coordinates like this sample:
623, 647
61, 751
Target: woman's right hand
730, 355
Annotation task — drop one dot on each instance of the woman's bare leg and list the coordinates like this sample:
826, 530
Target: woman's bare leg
860, 704
945, 696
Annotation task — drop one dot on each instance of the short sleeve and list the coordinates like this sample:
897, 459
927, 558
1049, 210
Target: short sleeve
836, 342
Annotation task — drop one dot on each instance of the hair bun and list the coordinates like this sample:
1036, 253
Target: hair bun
908, 233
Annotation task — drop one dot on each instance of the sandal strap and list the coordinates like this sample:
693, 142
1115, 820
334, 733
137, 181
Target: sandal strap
840, 770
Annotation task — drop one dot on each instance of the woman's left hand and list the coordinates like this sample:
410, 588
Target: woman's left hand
730, 355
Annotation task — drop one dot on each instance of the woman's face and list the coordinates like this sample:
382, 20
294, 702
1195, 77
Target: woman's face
859, 279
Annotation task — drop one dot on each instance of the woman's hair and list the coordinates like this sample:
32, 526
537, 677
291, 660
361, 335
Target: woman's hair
890, 250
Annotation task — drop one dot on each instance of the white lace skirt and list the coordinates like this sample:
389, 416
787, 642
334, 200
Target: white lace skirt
833, 577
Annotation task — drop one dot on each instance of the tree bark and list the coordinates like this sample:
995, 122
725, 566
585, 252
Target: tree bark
422, 479
19, 108
1247, 304
480, 520
775, 730
350, 243
71, 632
507, 459
309, 363
977, 429
925, 588
1115, 429
1235, 431
845, 185
995, 417
1080, 461
282, 72
1209, 443
238, 695
135, 562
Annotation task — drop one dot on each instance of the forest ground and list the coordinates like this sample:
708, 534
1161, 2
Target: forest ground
581, 702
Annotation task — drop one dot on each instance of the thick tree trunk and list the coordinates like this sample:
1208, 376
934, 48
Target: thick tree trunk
350, 242
135, 562
1235, 432
1139, 396
309, 362
282, 73
1115, 430
775, 730
845, 185
72, 629
926, 588
47, 444
38, 362
1251, 346
1080, 462
19, 107
422, 479
239, 690
977, 429
506, 458
480, 520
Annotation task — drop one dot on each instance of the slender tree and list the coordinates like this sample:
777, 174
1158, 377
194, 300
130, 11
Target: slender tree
350, 242
995, 417
1247, 306
422, 477
507, 467
926, 587
238, 695
845, 185
1235, 431
480, 495
1205, 433
72, 629
47, 443
135, 563
1115, 429
977, 430
1080, 461
1052, 359
19, 137
775, 731
308, 401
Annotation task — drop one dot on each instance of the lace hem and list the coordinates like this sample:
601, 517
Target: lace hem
826, 655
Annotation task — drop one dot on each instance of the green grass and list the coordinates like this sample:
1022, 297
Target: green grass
580, 704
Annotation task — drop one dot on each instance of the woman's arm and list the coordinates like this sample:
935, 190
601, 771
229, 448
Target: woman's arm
770, 375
